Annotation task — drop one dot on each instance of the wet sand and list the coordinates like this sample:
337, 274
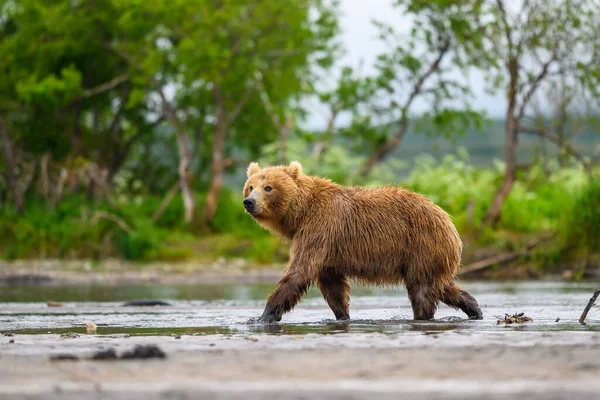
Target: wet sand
452, 365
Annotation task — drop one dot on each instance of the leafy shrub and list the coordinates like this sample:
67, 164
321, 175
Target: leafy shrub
580, 226
539, 202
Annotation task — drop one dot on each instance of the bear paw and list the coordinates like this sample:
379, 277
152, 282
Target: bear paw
269, 316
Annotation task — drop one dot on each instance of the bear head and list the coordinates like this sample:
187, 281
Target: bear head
269, 192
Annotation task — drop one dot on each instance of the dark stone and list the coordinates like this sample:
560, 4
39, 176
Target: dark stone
109, 354
64, 357
141, 303
149, 351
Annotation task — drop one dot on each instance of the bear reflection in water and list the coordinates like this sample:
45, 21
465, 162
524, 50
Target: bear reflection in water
377, 236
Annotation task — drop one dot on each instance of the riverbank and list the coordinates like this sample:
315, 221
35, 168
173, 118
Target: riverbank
551, 365
119, 272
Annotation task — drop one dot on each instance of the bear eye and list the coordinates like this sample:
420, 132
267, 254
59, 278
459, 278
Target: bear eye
251, 188
268, 188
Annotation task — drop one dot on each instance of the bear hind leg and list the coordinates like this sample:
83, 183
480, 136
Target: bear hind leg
336, 291
423, 300
455, 297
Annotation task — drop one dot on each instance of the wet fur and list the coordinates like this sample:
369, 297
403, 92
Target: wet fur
379, 236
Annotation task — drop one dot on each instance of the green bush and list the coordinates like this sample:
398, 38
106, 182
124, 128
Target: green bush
539, 202
580, 226
230, 216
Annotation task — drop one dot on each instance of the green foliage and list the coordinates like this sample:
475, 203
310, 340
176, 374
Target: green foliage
538, 201
535, 205
75, 230
80, 102
231, 217
580, 225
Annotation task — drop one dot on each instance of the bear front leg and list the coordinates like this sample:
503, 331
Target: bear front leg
336, 291
286, 295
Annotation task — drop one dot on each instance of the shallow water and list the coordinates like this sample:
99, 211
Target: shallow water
226, 309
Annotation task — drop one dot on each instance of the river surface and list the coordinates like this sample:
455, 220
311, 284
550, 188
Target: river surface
227, 309
213, 350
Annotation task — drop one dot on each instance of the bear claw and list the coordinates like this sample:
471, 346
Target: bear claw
269, 319
269, 315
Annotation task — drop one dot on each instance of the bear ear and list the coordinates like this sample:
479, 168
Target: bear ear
294, 169
253, 168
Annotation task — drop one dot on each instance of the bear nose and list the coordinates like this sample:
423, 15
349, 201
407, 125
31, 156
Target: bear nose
249, 204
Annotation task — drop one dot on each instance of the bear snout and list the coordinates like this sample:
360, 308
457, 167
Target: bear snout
249, 204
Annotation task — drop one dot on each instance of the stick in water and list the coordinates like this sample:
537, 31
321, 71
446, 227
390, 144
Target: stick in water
590, 304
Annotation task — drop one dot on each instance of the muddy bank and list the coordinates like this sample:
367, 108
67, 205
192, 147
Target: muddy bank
450, 365
118, 272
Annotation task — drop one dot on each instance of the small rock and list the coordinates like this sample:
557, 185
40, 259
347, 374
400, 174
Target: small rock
51, 303
11, 341
69, 335
557, 319
64, 357
109, 354
146, 303
149, 351
91, 327
212, 345
9, 334
567, 274
178, 337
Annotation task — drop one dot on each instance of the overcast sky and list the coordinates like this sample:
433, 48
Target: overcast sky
358, 37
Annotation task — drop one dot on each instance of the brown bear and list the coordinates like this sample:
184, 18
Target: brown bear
379, 236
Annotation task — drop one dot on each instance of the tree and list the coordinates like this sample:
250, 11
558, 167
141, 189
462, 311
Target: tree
531, 42
210, 53
10, 163
63, 95
421, 66
572, 110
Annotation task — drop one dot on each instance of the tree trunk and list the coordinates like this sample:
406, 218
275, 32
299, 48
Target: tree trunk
560, 132
283, 136
510, 146
185, 177
10, 163
384, 149
218, 170
185, 157
511, 130
45, 177
76, 139
223, 120
165, 203
388, 146
327, 136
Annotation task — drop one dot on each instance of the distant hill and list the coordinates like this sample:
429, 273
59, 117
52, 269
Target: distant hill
487, 144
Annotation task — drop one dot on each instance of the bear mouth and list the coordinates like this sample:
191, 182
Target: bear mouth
253, 213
